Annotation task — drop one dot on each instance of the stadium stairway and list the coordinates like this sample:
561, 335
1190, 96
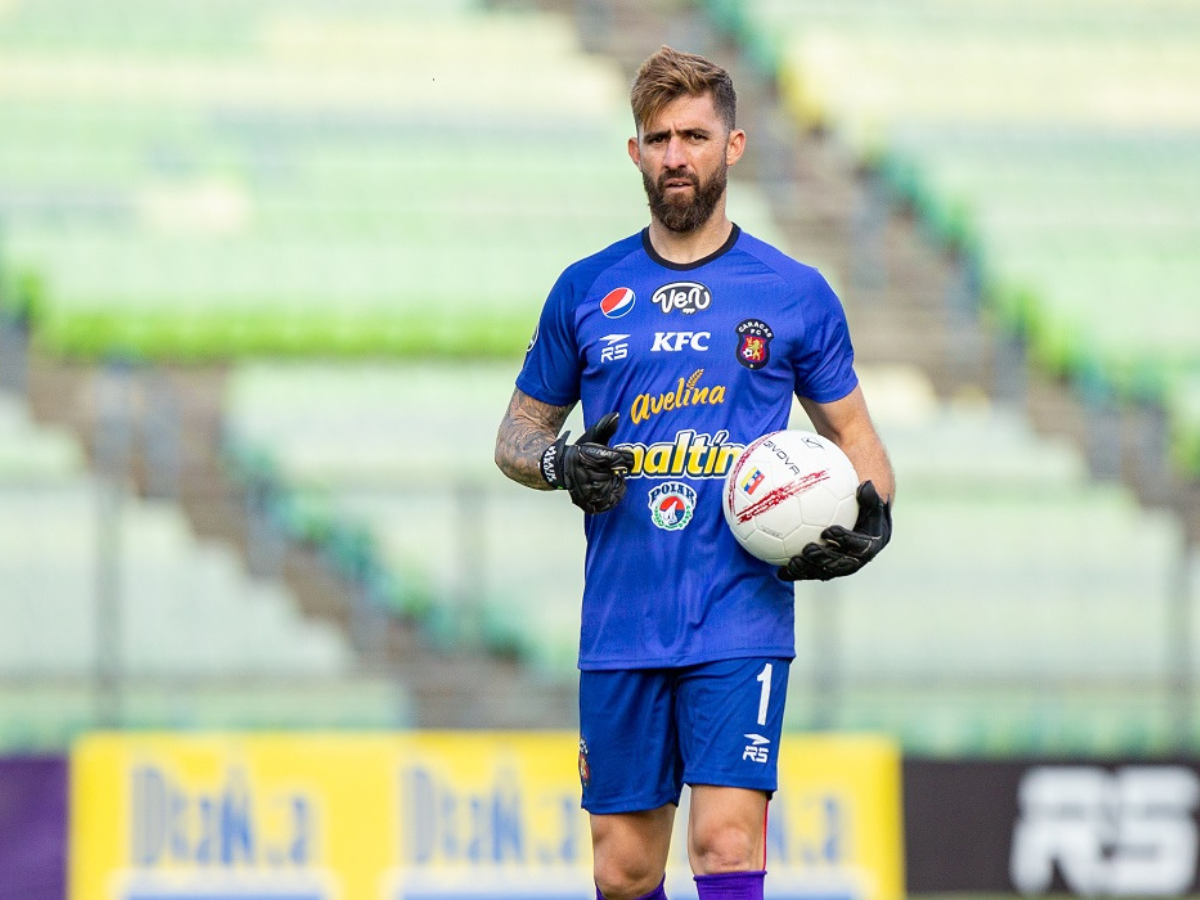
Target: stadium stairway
448, 688
115, 614
908, 299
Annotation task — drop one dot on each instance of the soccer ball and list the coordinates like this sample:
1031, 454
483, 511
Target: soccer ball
784, 490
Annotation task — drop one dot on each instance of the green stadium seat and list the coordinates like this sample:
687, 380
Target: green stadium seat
513, 596
1059, 581
192, 624
1085, 191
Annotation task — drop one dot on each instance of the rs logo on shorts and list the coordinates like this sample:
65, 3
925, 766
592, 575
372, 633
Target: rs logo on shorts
758, 749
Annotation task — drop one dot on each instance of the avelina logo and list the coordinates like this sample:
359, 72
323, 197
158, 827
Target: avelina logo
685, 393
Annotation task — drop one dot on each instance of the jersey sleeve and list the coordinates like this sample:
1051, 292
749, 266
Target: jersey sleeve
824, 369
551, 371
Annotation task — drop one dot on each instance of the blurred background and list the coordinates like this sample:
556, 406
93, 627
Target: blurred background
267, 271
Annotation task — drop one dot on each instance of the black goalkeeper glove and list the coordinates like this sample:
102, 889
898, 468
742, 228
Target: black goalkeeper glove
844, 551
589, 469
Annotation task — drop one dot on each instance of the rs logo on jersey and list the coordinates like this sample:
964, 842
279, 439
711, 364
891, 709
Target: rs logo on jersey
615, 347
674, 341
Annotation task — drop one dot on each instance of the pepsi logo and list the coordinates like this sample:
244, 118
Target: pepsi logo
617, 302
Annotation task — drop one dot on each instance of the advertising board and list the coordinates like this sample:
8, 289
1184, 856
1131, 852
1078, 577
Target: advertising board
419, 816
1112, 828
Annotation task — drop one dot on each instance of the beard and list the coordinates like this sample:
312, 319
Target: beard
680, 215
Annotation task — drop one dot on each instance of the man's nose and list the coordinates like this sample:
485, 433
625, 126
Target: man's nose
675, 157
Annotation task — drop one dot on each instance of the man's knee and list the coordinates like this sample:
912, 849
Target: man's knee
726, 846
726, 832
624, 870
624, 882
630, 852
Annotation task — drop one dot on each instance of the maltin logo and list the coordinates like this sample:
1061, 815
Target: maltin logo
689, 296
671, 505
617, 303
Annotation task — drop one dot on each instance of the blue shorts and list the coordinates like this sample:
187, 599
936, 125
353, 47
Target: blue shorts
644, 733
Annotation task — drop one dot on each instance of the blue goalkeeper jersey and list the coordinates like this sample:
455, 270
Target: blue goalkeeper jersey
699, 360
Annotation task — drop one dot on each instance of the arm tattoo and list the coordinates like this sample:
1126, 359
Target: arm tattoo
528, 428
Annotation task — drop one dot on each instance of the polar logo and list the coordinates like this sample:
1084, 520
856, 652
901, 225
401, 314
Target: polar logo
690, 297
674, 341
1119, 834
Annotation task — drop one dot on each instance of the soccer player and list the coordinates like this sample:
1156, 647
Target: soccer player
684, 343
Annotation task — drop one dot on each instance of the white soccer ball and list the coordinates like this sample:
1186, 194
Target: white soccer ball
784, 490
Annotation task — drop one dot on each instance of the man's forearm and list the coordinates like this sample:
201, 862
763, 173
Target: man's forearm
871, 462
528, 428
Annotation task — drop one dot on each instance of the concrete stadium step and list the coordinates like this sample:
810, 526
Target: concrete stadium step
448, 688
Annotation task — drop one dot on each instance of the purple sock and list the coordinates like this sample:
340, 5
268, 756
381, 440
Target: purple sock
731, 886
657, 894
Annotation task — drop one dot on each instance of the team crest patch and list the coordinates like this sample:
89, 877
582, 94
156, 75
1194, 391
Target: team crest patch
617, 303
671, 505
754, 343
585, 770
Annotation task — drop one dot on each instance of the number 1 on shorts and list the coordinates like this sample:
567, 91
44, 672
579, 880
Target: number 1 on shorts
765, 697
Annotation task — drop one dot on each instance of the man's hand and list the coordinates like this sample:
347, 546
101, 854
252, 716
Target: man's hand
845, 552
589, 469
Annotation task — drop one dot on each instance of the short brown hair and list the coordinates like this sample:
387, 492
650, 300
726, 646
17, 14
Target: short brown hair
670, 74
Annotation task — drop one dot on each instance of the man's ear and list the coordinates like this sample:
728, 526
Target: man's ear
735, 146
635, 152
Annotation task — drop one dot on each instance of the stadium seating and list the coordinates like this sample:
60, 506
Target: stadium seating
1021, 605
200, 642
375, 180
1078, 202
403, 455
192, 182
226, 180
1010, 566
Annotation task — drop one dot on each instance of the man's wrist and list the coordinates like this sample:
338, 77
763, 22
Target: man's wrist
552, 464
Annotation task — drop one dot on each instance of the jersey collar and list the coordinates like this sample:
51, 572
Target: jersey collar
734, 233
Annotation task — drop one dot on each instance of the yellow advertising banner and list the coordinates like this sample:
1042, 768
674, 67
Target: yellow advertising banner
430, 816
